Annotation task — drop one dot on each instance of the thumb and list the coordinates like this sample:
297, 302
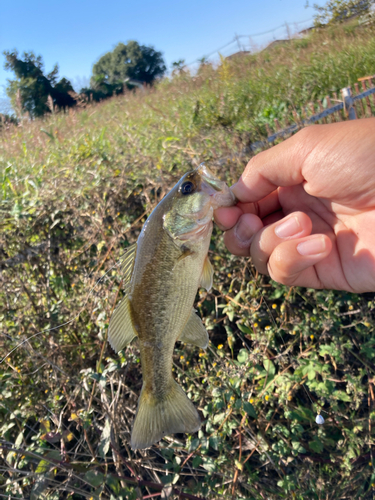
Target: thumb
278, 166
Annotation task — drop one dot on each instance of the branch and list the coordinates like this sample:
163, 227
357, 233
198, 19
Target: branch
26, 254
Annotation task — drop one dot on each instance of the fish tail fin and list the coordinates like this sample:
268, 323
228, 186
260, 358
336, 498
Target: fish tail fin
157, 418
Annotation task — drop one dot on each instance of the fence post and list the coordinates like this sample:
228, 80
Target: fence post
348, 101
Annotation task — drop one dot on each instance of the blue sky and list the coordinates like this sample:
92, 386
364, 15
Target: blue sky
75, 34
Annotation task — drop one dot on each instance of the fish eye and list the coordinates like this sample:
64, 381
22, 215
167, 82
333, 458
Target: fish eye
187, 187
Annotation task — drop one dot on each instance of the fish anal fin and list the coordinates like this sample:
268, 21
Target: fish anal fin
194, 332
207, 275
121, 330
157, 418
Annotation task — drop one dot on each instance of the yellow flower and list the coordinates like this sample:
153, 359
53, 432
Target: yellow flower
312, 337
181, 357
350, 308
232, 398
267, 328
255, 325
201, 354
267, 397
214, 364
274, 306
229, 275
370, 464
251, 401
220, 346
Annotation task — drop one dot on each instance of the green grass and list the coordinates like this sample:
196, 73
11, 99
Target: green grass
77, 187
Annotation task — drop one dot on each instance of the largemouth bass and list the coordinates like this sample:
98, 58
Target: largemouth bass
162, 273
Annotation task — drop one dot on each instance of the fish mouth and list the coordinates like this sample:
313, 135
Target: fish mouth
219, 192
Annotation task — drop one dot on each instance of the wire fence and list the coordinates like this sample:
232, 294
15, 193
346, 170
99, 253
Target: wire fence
350, 107
244, 43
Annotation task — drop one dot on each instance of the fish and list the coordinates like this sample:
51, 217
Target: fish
162, 272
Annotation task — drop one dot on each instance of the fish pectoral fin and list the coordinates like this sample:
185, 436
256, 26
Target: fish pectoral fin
121, 330
158, 417
207, 275
194, 332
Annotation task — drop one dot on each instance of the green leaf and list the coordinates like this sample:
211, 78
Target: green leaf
219, 418
311, 374
209, 464
245, 329
242, 356
298, 447
105, 439
168, 139
214, 442
249, 408
39, 488
343, 396
269, 367
42, 467
197, 461
45, 464
50, 135
113, 483
94, 477
316, 445
238, 465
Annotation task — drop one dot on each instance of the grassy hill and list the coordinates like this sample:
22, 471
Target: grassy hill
75, 191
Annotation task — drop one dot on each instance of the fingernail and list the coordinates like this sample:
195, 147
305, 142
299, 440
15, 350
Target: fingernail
313, 246
288, 228
243, 232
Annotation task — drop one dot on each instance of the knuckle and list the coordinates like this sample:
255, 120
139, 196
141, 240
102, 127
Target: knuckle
307, 132
281, 269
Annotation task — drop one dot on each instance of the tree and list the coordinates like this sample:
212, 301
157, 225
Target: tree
32, 88
335, 11
178, 66
132, 61
101, 89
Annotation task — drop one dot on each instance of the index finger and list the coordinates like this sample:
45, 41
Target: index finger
227, 217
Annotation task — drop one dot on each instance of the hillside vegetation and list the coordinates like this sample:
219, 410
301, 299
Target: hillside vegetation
75, 191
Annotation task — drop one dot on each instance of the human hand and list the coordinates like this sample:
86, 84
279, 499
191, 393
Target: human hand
306, 211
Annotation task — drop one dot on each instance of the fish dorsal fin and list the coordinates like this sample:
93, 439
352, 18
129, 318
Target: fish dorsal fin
121, 330
127, 263
207, 275
194, 332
